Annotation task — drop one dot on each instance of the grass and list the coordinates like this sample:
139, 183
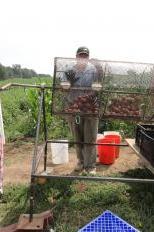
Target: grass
76, 203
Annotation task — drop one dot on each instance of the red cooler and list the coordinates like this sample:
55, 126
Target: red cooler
106, 153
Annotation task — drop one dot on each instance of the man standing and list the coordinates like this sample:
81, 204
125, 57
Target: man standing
84, 127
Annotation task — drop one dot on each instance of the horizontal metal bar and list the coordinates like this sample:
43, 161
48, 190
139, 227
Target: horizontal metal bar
73, 88
95, 115
121, 117
101, 144
104, 116
108, 61
31, 86
137, 118
95, 178
4, 87
9, 85
125, 92
58, 87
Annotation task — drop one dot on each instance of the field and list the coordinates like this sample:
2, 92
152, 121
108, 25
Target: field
73, 203
16, 105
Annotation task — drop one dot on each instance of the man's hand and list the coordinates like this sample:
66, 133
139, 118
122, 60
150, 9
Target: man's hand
96, 86
70, 74
65, 84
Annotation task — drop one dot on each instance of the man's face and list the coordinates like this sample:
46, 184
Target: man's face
82, 59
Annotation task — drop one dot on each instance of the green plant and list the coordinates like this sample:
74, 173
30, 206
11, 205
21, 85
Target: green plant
15, 107
57, 127
75, 203
126, 128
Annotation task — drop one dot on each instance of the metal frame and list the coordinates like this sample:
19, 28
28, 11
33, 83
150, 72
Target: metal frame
43, 153
107, 92
90, 178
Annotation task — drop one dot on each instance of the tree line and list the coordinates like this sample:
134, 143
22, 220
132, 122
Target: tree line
17, 72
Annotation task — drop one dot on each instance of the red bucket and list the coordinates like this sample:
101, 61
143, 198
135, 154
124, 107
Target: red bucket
106, 153
117, 140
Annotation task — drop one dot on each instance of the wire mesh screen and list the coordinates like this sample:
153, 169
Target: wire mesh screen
103, 88
124, 105
76, 102
75, 87
128, 76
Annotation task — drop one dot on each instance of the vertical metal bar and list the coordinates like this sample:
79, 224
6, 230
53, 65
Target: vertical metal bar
37, 135
53, 85
45, 156
31, 208
33, 170
45, 131
44, 116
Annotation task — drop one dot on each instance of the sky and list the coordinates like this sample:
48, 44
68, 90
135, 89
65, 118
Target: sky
33, 32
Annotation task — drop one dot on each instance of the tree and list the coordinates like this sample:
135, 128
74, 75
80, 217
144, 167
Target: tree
17, 70
2, 72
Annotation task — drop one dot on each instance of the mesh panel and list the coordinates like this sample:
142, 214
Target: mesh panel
76, 102
125, 105
128, 76
127, 88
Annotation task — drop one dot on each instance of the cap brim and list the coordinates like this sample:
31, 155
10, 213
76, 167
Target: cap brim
79, 53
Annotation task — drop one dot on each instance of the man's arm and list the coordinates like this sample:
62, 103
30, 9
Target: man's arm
99, 69
98, 74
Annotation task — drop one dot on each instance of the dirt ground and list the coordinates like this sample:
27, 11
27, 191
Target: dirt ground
17, 163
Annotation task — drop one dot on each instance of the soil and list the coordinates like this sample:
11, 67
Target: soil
18, 159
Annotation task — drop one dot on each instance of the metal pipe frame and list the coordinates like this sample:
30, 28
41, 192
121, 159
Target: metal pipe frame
93, 144
92, 178
85, 178
35, 161
37, 156
105, 61
104, 91
97, 178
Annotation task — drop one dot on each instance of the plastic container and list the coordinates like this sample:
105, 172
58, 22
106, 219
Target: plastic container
111, 133
106, 153
108, 222
60, 152
99, 136
117, 139
145, 141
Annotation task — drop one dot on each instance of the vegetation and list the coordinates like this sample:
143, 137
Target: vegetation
126, 128
17, 72
76, 203
73, 203
20, 108
15, 111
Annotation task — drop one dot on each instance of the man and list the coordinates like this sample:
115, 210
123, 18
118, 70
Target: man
84, 128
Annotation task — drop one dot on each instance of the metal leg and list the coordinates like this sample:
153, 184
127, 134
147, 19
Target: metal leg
45, 157
31, 208
45, 131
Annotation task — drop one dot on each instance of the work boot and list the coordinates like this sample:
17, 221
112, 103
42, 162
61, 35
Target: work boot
87, 171
91, 171
79, 167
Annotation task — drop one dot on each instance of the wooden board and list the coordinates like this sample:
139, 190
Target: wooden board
131, 143
10, 228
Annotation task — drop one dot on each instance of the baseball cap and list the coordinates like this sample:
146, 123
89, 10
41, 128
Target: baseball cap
82, 50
